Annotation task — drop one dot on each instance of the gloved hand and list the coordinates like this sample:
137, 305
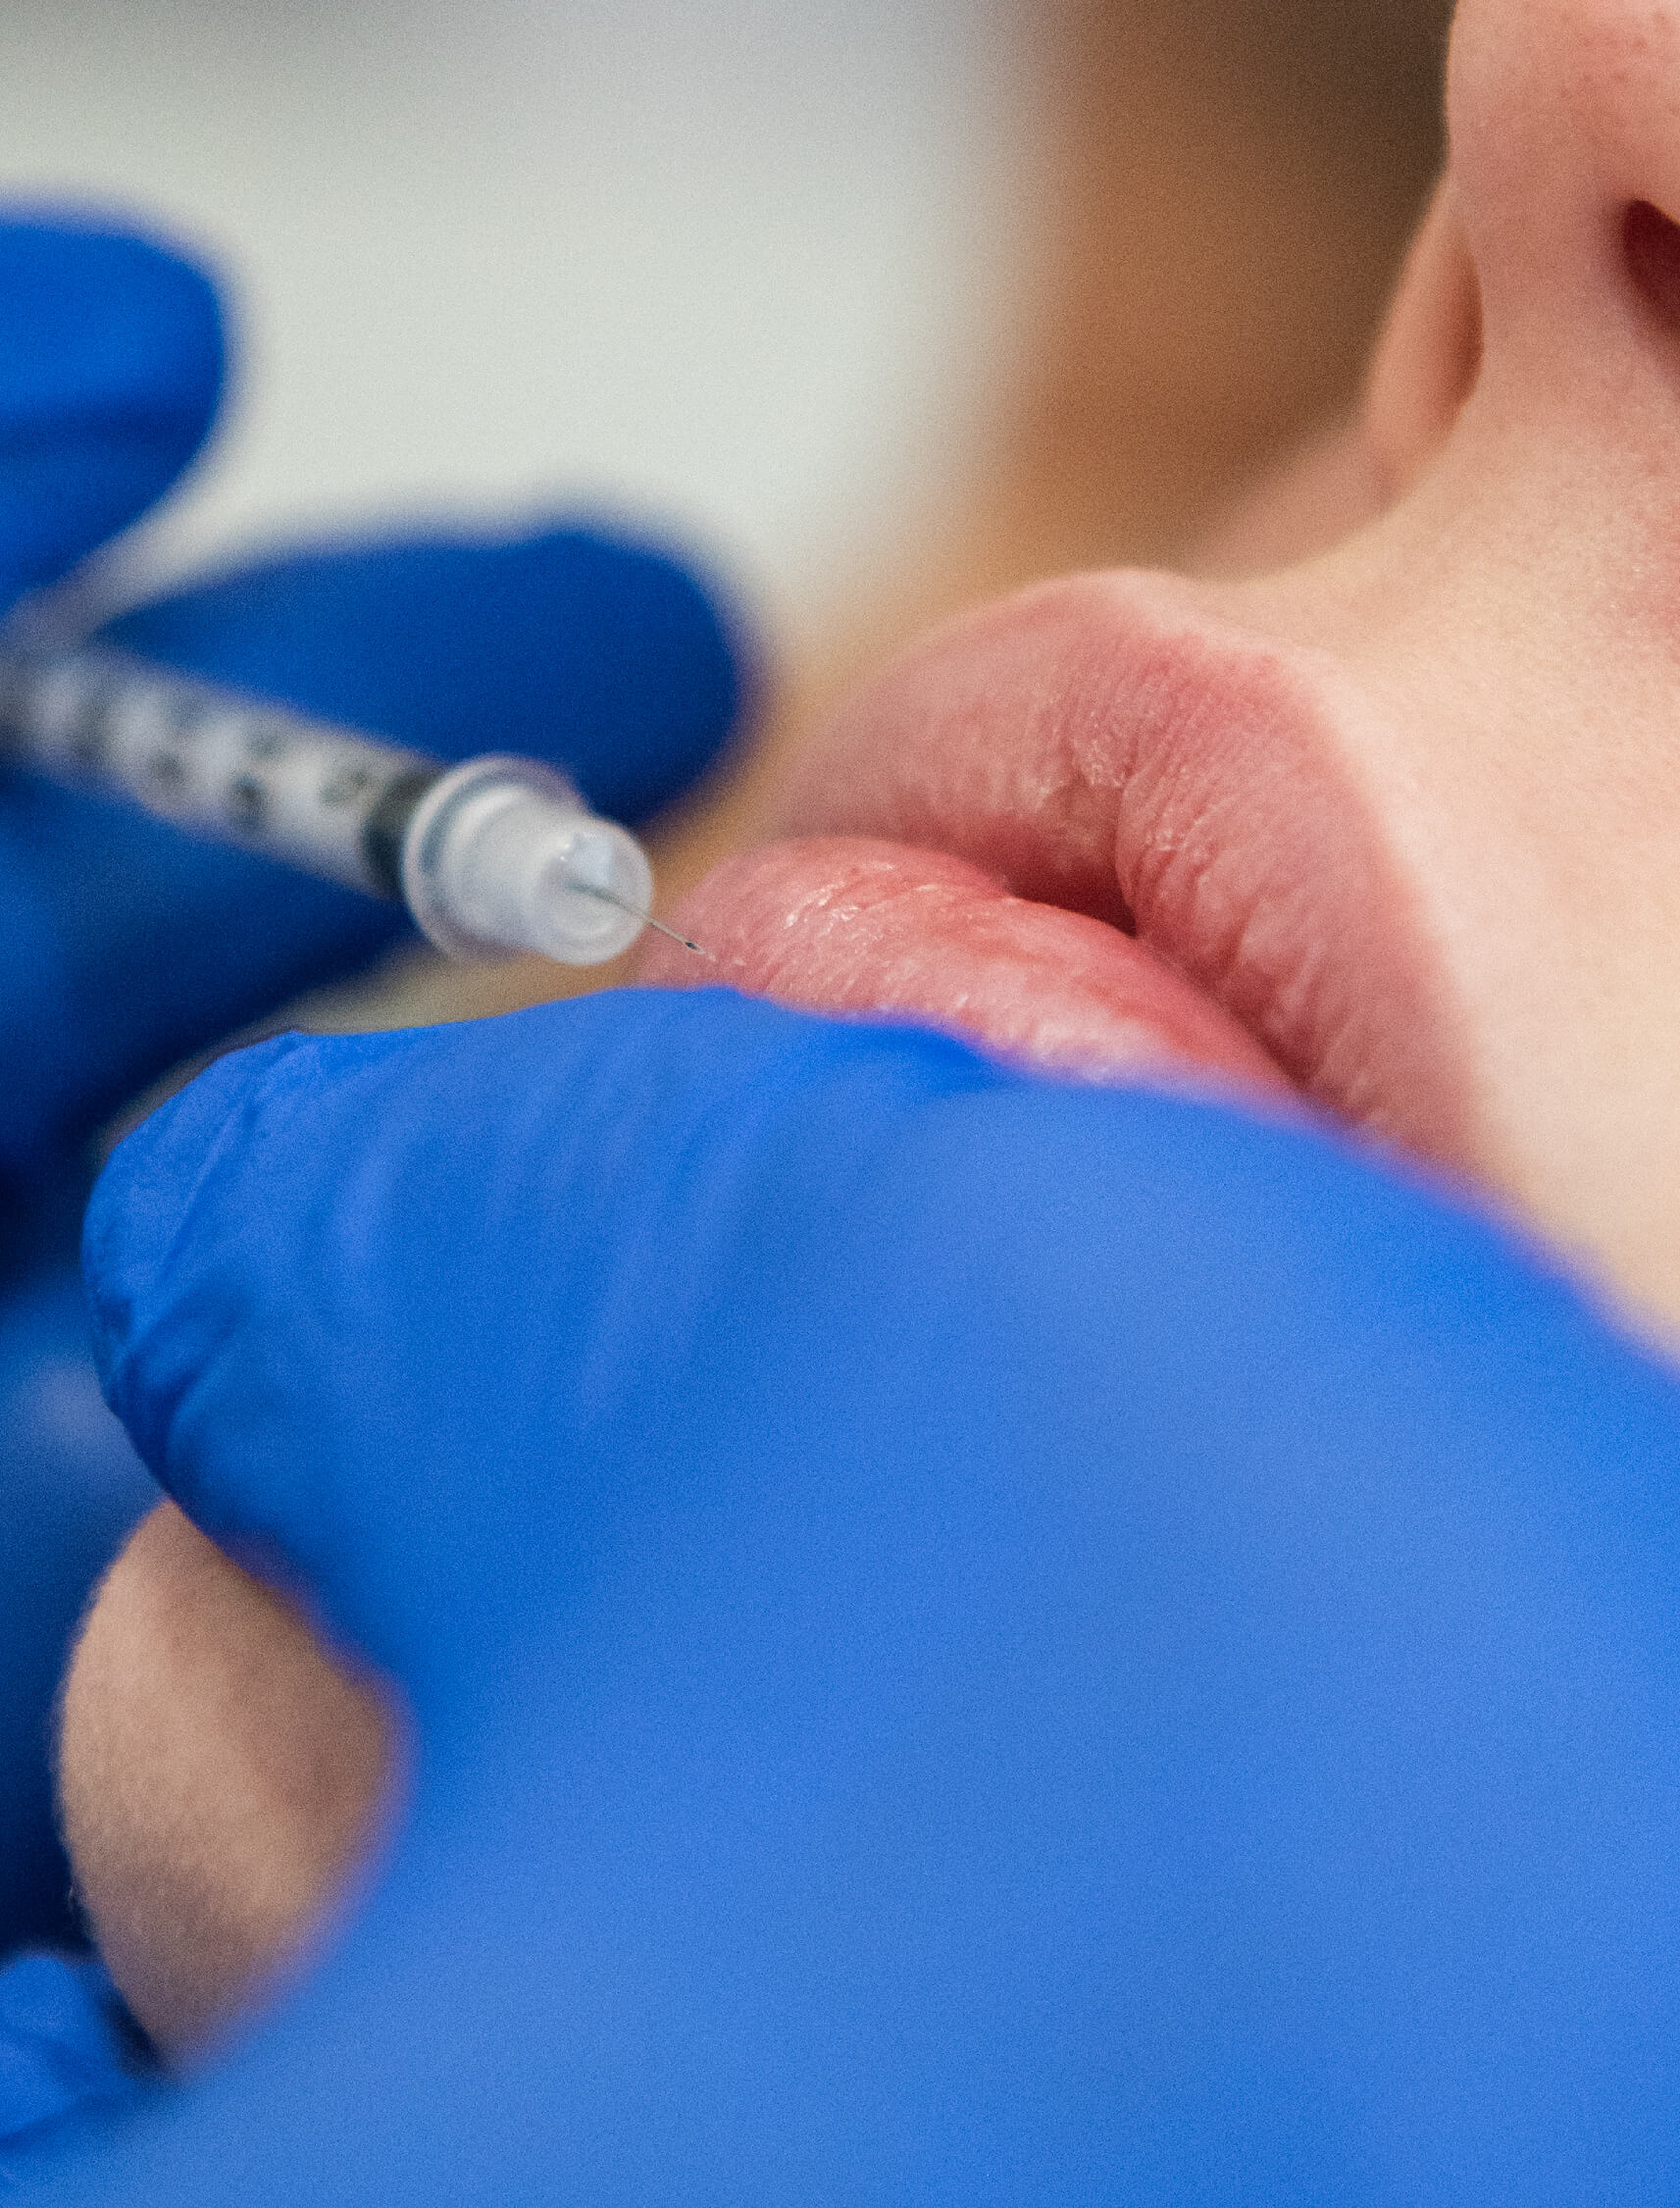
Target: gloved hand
125, 945
968, 1640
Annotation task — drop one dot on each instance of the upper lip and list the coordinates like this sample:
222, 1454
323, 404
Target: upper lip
1121, 747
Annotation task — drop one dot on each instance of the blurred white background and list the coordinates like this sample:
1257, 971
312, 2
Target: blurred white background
738, 263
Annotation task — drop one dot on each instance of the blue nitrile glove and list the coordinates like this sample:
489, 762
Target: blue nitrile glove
598, 654
125, 945
970, 1641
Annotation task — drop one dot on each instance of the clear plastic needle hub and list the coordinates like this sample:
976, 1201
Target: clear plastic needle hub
501, 854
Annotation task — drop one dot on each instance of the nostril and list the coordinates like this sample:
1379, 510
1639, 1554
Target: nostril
1652, 243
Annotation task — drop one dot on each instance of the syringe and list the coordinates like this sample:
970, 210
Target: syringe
494, 856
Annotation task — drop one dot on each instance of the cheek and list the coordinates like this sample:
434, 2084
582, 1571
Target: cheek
1333, 485
1423, 369
219, 1781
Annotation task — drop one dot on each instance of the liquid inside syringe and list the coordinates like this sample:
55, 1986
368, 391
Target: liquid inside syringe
494, 856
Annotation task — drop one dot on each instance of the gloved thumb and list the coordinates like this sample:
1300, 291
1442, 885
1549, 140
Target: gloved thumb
400, 1318
111, 362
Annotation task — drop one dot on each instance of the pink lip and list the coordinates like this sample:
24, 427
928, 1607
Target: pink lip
1166, 858
844, 924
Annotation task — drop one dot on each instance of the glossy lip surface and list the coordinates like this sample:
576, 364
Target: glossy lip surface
1113, 758
858, 926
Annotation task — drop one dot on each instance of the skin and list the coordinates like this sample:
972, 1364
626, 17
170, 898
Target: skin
259, 1754
1451, 615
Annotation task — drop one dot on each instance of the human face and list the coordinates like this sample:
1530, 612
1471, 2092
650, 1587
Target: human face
1392, 824
1375, 810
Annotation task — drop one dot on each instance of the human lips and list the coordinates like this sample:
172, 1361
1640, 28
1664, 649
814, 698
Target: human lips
1105, 827
860, 926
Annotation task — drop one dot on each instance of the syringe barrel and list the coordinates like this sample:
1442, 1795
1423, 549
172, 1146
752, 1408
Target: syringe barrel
215, 762
492, 857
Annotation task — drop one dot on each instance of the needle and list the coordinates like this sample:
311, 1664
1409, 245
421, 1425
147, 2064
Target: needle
699, 948
648, 921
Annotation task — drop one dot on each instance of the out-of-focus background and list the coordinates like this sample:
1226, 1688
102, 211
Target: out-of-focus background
733, 261
880, 308
967, 286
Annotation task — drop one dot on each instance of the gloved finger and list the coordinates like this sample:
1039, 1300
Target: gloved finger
400, 1314
126, 945
111, 362
357, 1297
584, 645
1018, 1628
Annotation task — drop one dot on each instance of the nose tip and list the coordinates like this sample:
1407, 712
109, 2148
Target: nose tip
1564, 126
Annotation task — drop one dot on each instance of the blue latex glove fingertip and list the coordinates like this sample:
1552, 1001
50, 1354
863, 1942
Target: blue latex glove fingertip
583, 645
111, 364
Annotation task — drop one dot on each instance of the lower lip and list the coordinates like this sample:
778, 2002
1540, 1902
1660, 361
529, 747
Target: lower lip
871, 929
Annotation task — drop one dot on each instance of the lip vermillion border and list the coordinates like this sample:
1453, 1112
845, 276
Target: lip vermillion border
1104, 755
861, 927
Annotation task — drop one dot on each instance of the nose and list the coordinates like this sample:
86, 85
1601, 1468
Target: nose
1509, 608
1549, 264
1564, 128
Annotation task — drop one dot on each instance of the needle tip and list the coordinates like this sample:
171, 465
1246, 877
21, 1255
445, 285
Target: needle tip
699, 950
611, 896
